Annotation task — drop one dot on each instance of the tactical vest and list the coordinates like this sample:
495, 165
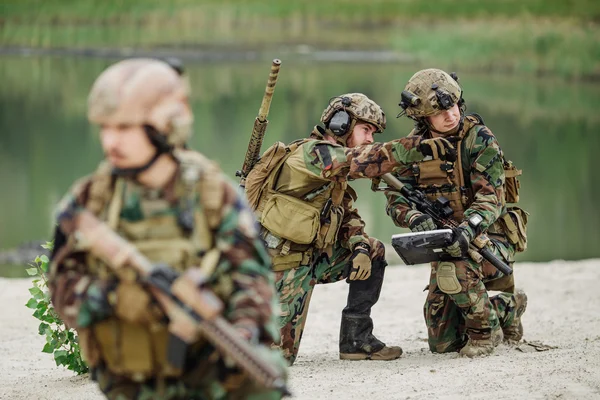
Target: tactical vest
134, 342
436, 178
293, 225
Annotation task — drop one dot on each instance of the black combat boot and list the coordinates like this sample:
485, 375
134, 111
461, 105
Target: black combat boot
357, 341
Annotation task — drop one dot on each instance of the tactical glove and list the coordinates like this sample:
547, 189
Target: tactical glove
438, 148
421, 222
460, 243
360, 263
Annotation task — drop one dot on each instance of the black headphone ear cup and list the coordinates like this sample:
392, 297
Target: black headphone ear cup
339, 124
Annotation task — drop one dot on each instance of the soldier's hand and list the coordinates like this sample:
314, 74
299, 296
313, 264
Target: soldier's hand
438, 148
360, 263
95, 305
460, 243
421, 222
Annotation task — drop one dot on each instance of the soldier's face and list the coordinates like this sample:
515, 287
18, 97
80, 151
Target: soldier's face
126, 146
445, 120
361, 135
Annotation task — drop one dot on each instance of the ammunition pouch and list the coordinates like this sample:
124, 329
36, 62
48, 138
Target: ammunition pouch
291, 218
137, 351
285, 262
514, 227
433, 171
330, 224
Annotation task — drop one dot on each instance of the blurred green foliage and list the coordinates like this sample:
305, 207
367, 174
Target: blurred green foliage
548, 127
537, 37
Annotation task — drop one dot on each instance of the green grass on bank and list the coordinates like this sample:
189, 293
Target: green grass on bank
525, 46
539, 37
52, 10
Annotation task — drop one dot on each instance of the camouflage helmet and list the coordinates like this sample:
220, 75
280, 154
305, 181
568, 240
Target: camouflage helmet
359, 106
143, 91
430, 91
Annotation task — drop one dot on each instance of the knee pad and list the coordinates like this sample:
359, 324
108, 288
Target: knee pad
446, 278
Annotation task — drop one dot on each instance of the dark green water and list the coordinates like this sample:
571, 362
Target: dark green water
548, 128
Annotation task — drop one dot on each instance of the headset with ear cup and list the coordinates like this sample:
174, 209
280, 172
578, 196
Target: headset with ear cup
340, 122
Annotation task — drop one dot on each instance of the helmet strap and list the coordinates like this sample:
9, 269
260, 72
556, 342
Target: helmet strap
133, 172
159, 141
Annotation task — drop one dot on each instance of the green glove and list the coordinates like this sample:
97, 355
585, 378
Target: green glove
421, 222
95, 306
460, 244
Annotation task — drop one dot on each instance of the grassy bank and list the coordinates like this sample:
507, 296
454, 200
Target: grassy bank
538, 37
101, 9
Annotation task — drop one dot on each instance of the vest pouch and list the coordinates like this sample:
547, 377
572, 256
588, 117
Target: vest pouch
89, 347
514, 224
433, 172
512, 184
177, 253
329, 228
291, 218
288, 261
129, 348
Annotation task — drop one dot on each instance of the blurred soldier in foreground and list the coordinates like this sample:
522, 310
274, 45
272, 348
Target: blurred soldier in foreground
180, 212
478, 182
314, 234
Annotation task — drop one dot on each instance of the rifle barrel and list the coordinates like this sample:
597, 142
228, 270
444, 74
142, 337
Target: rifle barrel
265, 105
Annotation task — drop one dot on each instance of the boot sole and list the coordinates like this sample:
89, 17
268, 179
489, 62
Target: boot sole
362, 356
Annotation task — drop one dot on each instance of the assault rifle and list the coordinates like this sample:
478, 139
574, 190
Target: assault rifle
441, 213
260, 125
190, 308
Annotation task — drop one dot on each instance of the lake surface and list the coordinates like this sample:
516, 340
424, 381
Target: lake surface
549, 128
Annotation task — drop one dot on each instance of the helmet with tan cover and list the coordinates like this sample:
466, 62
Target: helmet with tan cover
430, 91
145, 92
359, 107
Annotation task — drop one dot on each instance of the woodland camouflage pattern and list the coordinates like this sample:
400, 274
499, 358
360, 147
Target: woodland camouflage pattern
336, 163
295, 287
482, 163
242, 279
451, 317
327, 162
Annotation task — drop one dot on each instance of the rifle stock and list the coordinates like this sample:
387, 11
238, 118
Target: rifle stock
190, 309
478, 248
260, 124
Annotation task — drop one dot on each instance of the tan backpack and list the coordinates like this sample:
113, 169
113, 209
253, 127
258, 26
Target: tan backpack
271, 160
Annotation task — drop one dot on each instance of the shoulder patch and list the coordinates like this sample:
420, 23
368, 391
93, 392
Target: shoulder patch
324, 155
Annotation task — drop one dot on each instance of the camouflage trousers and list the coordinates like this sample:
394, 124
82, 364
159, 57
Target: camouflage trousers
295, 287
452, 318
208, 381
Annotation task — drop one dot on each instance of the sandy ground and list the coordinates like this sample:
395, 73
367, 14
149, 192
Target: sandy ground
562, 312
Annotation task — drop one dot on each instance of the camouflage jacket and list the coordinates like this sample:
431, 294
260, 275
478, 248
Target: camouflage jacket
482, 165
322, 162
242, 278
